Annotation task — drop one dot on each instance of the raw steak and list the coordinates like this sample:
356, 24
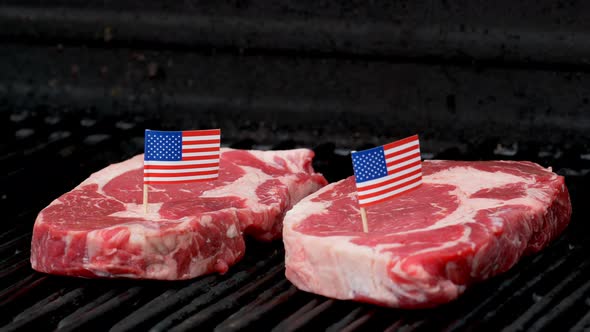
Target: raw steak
100, 228
467, 222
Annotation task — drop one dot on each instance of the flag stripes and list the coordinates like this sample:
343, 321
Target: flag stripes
181, 156
387, 171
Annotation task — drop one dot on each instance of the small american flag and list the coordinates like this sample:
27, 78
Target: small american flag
387, 171
181, 156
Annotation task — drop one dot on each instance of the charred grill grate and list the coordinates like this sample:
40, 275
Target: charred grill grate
43, 155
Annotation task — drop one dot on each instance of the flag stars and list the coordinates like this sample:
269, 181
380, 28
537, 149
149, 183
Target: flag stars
369, 164
163, 146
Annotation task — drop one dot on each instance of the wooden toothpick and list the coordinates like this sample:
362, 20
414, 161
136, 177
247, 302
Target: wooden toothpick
145, 198
364, 217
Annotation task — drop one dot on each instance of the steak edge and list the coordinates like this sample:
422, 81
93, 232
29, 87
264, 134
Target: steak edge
99, 229
467, 222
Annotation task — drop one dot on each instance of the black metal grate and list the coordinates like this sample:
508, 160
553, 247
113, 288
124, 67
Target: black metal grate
43, 154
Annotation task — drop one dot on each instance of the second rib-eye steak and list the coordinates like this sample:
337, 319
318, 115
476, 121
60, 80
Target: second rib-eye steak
100, 227
467, 222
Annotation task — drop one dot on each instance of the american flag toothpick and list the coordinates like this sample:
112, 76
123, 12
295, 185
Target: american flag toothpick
173, 157
386, 171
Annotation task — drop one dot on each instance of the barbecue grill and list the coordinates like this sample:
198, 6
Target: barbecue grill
478, 81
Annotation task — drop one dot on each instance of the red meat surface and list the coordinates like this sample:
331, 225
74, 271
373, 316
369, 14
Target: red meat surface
467, 222
100, 229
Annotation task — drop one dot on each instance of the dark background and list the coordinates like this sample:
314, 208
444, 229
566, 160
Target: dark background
453, 71
478, 80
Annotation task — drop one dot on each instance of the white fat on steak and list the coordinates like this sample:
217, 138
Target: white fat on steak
487, 234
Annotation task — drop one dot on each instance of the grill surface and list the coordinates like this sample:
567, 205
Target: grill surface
44, 154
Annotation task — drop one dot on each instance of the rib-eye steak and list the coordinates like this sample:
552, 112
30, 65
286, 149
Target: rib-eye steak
100, 227
467, 222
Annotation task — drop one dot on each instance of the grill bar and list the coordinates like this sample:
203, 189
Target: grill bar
79, 317
10, 233
512, 286
230, 302
297, 321
11, 269
165, 302
290, 320
543, 304
584, 323
205, 299
267, 303
353, 321
12, 258
525, 289
60, 301
114, 306
210, 287
315, 313
19, 242
403, 326
13, 297
264, 309
571, 301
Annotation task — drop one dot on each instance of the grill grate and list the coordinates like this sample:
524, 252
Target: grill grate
44, 155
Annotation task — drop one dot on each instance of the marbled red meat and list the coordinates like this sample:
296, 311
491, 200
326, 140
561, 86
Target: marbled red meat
100, 228
467, 222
